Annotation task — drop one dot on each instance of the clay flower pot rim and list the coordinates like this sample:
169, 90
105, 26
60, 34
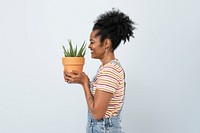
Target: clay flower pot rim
73, 60
73, 57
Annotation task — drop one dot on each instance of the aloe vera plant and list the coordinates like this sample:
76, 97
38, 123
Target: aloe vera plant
74, 52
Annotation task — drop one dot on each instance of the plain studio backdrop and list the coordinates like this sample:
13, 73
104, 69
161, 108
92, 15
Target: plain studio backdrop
162, 65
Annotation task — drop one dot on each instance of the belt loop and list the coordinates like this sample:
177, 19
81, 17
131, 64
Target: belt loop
110, 121
103, 121
90, 122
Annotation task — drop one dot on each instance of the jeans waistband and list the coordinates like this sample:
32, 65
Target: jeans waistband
109, 120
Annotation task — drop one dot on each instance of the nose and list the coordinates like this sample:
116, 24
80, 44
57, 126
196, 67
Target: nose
89, 46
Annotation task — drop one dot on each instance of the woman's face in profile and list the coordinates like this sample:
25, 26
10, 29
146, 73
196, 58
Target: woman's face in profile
96, 47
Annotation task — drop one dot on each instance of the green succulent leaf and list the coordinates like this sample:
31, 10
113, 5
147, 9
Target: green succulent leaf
82, 50
75, 51
72, 52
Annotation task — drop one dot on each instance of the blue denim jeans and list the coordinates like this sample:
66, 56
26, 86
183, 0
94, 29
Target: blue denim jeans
104, 125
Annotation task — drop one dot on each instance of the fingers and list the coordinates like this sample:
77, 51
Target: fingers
74, 77
68, 80
66, 77
75, 72
70, 77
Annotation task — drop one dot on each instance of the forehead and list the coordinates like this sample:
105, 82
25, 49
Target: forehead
93, 35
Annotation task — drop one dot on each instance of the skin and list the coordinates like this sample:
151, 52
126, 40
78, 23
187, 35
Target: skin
103, 51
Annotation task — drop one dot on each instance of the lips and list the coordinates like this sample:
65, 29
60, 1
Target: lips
92, 53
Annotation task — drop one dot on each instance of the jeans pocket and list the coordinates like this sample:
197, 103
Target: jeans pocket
99, 128
115, 128
95, 128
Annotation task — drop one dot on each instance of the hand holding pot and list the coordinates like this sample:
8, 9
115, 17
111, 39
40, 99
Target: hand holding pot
76, 77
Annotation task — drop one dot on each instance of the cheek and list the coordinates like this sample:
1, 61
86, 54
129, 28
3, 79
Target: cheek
99, 52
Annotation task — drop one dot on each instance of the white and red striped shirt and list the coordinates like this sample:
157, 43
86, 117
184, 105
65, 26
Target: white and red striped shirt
110, 78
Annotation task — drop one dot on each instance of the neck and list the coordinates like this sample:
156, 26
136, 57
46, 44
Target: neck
107, 58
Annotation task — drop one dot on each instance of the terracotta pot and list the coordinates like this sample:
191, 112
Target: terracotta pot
73, 63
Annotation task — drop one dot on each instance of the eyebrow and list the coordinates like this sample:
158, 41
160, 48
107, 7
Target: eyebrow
91, 39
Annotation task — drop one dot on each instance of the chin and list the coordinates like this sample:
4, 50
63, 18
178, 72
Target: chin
93, 57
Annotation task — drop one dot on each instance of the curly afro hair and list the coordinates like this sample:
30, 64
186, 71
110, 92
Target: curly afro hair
114, 25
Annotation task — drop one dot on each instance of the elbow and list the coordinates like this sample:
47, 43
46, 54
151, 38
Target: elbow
97, 116
98, 112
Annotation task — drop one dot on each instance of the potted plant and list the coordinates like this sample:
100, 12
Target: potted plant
73, 58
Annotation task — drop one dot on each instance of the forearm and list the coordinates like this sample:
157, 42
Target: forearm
97, 106
94, 103
89, 98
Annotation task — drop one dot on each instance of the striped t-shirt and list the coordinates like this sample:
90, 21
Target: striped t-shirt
110, 78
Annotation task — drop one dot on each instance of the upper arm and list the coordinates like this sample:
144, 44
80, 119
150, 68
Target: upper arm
101, 101
105, 87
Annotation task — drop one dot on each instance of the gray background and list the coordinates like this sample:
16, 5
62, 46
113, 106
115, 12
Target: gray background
162, 65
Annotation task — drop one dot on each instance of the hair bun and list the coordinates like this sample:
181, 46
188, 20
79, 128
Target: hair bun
115, 25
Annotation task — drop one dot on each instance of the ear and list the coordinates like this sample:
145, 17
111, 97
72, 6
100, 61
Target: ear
107, 44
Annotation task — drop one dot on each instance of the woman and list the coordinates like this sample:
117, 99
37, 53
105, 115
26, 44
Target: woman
105, 93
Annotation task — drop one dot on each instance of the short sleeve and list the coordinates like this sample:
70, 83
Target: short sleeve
108, 79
